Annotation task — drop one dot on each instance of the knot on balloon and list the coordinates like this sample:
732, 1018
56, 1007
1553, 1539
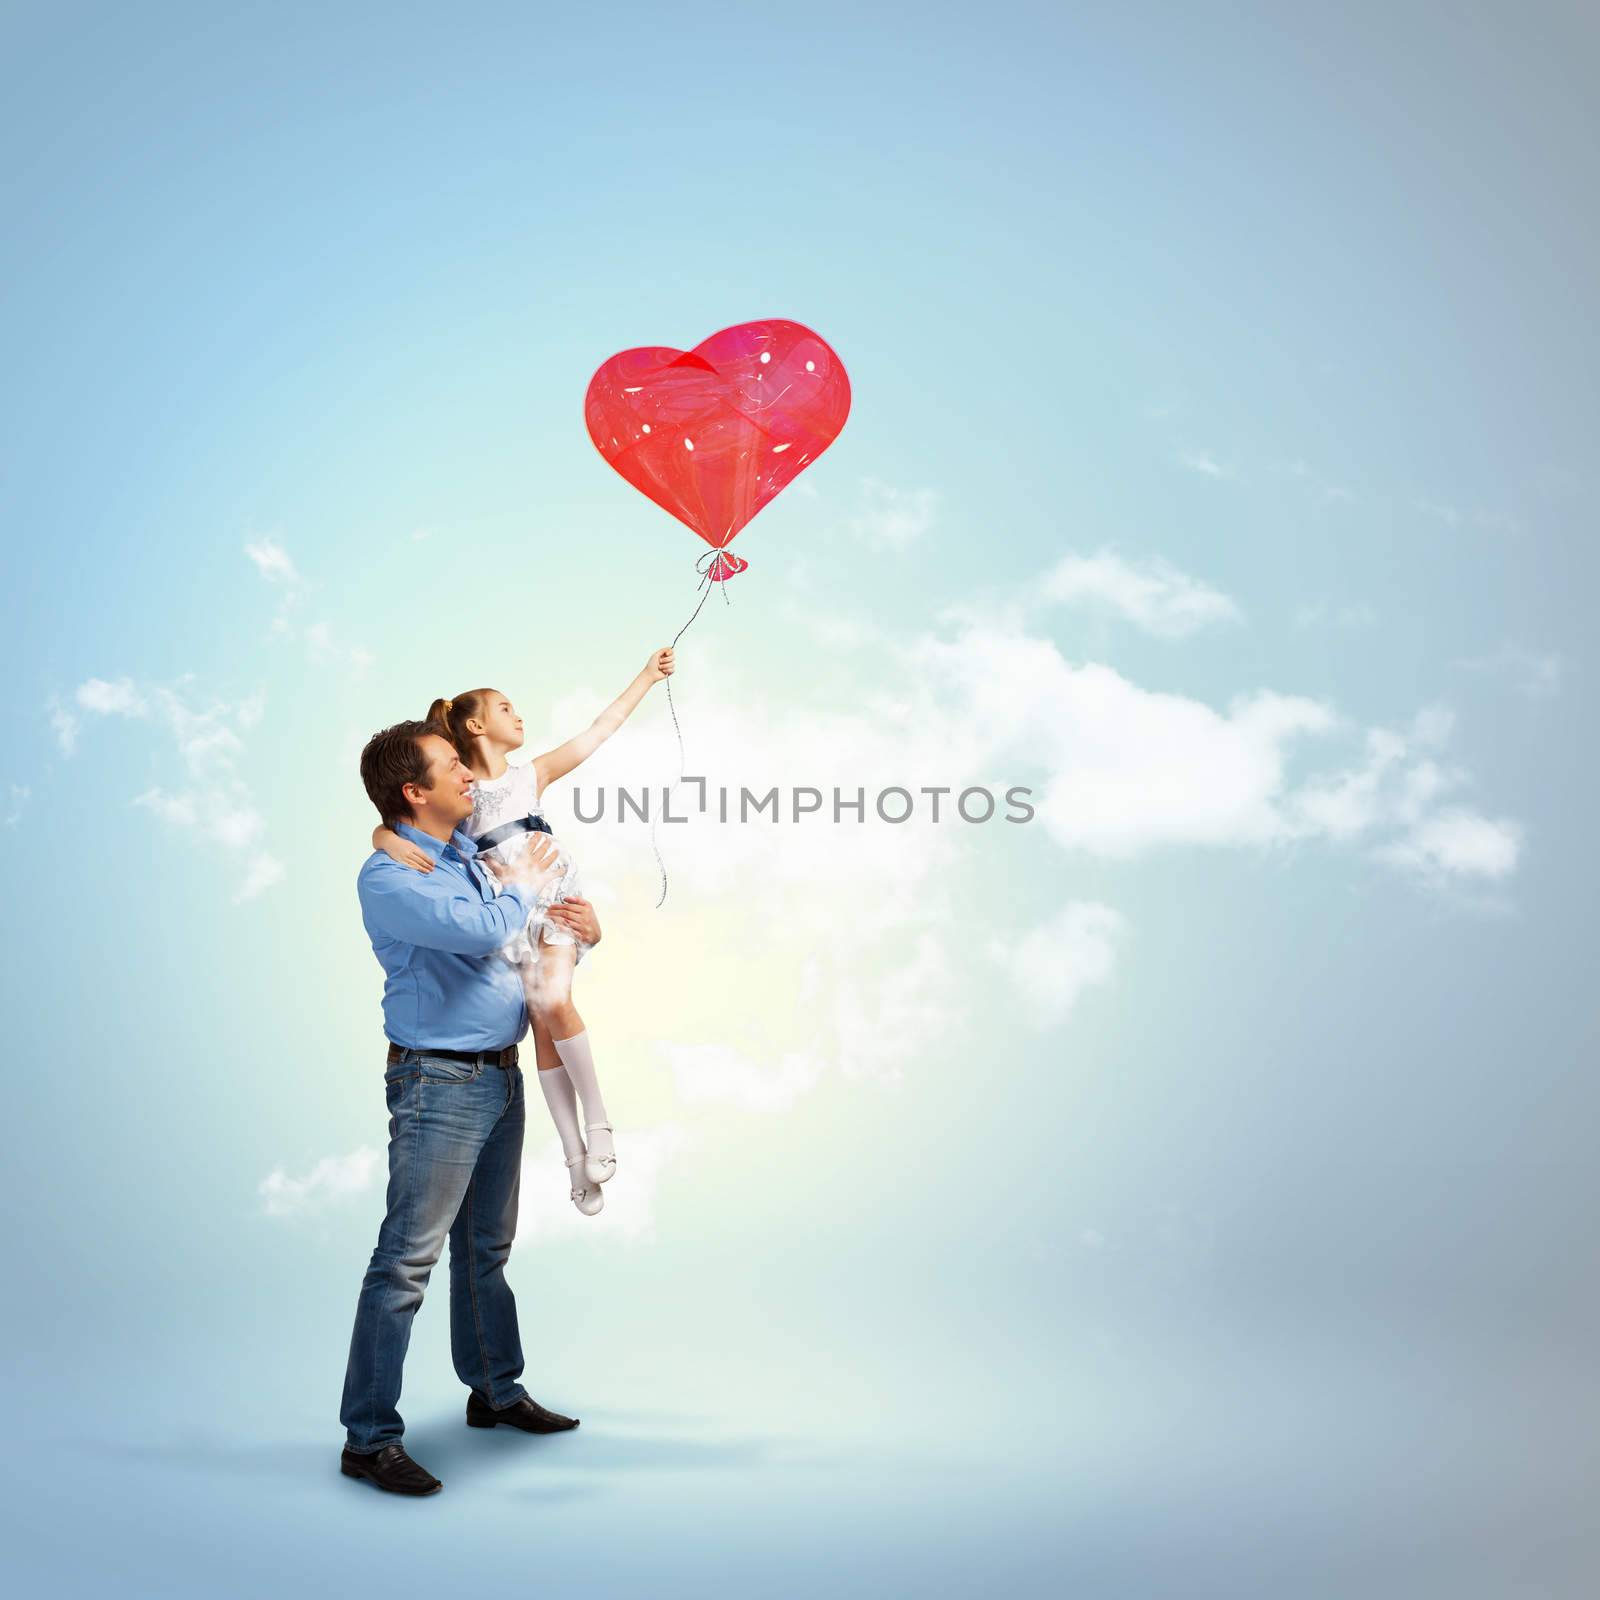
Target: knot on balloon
717, 566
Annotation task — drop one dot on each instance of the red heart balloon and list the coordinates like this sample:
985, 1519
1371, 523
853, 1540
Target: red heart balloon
712, 434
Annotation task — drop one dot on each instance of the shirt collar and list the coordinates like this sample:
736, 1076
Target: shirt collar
463, 846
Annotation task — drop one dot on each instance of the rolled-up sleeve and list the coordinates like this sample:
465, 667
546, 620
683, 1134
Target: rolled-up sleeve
437, 911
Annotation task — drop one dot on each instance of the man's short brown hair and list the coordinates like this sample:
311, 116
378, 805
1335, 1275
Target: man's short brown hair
393, 758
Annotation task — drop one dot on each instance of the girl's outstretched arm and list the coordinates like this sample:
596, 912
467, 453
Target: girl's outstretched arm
559, 762
403, 851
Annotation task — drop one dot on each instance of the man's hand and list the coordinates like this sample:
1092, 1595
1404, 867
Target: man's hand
535, 868
576, 915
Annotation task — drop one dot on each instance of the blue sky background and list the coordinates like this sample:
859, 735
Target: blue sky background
1185, 1193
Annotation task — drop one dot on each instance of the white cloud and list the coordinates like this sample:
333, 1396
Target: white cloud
1325, 615
204, 739
1535, 673
215, 803
332, 1178
888, 1016
1346, 803
323, 647
1327, 493
263, 872
1396, 790
273, 562
833, 632
120, 699
714, 1072
1458, 843
1153, 594
1126, 770
1052, 964
236, 827
894, 517
1206, 464
178, 809
65, 727
643, 1157
20, 794
1433, 724
324, 650
1454, 517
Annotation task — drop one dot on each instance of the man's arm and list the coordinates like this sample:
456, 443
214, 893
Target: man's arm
439, 912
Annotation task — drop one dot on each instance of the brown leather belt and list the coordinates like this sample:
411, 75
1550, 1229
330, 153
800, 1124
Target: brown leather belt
490, 1058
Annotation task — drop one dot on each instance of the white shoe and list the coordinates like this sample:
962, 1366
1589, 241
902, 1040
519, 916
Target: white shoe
585, 1196
598, 1168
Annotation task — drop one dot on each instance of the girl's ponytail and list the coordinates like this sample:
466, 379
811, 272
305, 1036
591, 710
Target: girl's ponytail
450, 717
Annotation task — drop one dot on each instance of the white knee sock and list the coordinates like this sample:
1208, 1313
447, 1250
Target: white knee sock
563, 1105
578, 1059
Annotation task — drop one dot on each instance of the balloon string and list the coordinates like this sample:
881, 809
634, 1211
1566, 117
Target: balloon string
706, 565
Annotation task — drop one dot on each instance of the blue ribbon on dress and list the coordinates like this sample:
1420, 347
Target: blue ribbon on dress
509, 830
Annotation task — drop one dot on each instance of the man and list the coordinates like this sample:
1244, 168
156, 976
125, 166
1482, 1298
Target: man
453, 1013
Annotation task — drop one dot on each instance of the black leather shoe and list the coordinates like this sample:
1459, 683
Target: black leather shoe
390, 1468
526, 1414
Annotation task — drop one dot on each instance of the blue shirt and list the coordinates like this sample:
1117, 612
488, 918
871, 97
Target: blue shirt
435, 935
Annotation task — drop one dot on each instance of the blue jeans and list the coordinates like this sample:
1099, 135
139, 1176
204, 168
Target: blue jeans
455, 1155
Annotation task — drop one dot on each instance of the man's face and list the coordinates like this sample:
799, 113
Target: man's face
447, 796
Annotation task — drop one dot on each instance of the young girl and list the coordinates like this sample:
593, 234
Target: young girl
483, 726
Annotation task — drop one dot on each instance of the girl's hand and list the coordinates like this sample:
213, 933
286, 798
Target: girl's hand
659, 666
403, 851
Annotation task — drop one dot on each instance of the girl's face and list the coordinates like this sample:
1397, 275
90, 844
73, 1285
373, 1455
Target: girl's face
501, 724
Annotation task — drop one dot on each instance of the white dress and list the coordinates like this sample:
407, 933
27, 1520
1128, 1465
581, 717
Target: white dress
495, 802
